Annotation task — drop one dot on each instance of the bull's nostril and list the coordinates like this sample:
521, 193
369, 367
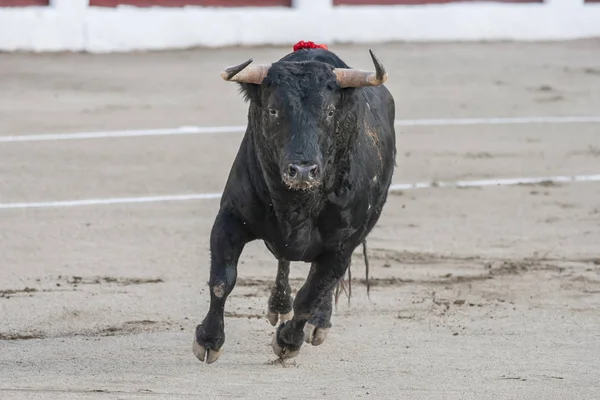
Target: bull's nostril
292, 171
313, 171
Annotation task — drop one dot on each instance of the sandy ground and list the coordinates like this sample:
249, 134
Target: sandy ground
483, 293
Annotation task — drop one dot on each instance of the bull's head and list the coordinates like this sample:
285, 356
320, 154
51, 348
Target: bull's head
299, 109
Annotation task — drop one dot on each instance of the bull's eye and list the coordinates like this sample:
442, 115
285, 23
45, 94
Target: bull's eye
272, 112
331, 112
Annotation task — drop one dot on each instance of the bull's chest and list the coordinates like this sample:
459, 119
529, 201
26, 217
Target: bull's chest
298, 237
293, 242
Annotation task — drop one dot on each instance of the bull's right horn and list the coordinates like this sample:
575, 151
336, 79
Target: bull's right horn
246, 73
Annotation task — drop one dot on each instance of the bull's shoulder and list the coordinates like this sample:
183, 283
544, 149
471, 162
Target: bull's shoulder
245, 184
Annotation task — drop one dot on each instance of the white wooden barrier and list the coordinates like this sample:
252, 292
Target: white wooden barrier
73, 25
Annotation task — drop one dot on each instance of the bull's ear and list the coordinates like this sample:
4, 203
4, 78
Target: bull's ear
251, 92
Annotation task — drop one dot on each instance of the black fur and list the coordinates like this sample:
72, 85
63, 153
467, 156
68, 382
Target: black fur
355, 149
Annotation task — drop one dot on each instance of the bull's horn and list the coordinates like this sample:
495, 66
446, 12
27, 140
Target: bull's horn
348, 77
246, 73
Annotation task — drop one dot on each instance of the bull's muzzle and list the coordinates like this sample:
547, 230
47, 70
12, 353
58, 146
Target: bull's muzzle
302, 176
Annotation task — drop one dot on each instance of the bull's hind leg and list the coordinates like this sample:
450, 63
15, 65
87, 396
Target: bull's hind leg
319, 285
280, 301
317, 327
227, 240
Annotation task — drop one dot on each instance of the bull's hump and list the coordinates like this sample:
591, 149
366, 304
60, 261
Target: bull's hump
320, 55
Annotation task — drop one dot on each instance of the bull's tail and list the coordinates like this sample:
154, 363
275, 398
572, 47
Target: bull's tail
341, 285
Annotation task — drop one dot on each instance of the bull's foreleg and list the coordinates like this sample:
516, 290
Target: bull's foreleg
318, 288
280, 301
318, 325
227, 240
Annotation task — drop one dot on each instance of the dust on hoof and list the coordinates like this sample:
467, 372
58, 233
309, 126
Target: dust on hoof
273, 317
281, 352
200, 353
314, 335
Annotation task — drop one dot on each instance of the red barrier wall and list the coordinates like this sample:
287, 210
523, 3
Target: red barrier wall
417, 2
181, 3
23, 3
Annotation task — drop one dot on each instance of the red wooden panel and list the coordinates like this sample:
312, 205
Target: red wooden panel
23, 3
181, 3
417, 2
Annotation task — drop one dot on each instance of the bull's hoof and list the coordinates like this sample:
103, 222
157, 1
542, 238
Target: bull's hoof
282, 349
314, 335
203, 349
202, 353
283, 352
274, 317
280, 306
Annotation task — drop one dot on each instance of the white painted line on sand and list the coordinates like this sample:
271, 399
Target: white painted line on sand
116, 200
495, 182
498, 121
206, 130
183, 130
393, 188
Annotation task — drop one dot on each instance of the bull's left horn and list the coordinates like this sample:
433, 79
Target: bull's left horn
348, 77
246, 73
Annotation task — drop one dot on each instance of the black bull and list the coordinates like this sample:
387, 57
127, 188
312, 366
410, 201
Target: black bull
310, 179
